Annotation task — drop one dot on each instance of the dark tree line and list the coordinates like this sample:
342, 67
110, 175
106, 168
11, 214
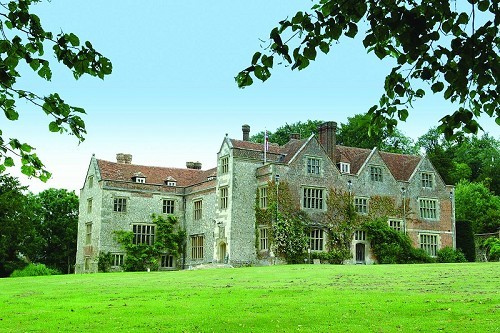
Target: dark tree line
38, 228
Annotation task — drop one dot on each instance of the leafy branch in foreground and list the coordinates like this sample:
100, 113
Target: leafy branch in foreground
17, 20
431, 43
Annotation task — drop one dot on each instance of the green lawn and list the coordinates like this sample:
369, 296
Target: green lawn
303, 298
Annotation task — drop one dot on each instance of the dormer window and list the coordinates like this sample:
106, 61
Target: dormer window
344, 167
170, 181
139, 178
209, 178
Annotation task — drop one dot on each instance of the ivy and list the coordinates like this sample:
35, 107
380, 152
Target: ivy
168, 239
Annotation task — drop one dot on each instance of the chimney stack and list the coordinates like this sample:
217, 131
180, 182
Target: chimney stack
327, 138
246, 132
124, 158
295, 136
193, 165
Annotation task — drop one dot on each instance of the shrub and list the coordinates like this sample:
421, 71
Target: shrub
465, 240
447, 254
34, 270
492, 248
104, 262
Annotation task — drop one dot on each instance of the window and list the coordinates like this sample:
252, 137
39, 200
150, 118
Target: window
396, 225
197, 247
168, 206
428, 208
89, 205
312, 198
344, 167
117, 259
429, 243
88, 233
223, 198
263, 238
263, 197
140, 180
376, 173
427, 180
171, 183
86, 264
120, 205
313, 165
197, 210
91, 181
360, 235
361, 205
144, 233
316, 241
167, 261
224, 164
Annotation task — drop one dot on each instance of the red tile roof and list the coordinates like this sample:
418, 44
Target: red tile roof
401, 166
354, 156
154, 175
276, 153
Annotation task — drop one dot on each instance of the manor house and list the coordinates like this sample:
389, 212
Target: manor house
217, 207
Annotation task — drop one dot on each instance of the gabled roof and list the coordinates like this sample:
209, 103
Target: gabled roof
154, 175
401, 166
354, 156
275, 153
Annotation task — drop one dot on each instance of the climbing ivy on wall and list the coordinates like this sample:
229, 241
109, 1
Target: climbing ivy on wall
286, 221
168, 239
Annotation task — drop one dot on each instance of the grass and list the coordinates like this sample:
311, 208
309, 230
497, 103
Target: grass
299, 298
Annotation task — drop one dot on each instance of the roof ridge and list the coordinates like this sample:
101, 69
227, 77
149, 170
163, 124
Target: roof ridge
154, 166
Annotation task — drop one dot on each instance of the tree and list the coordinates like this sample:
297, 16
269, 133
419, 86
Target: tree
355, 133
23, 41
435, 45
465, 240
282, 134
58, 227
474, 202
19, 239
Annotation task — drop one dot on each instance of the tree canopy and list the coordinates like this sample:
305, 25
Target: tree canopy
436, 46
23, 42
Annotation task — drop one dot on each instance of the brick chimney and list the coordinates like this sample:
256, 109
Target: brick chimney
124, 158
327, 138
246, 132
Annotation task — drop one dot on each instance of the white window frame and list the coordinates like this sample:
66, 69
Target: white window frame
361, 205
140, 180
359, 235
224, 164
317, 240
344, 167
197, 209
376, 173
428, 209
144, 233
224, 197
117, 259
120, 205
313, 165
427, 179
313, 198
263, 238
429, 242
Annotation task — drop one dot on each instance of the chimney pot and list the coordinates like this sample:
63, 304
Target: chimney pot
246, 132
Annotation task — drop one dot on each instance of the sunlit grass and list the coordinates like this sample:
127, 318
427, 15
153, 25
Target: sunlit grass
307, 298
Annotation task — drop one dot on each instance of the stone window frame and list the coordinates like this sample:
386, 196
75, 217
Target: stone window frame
361, 205
427, 179
224, 164
90, 181
120, 204
313, 165
224, 197
167, 261
197, 246
168, 206
376, 173
263, 197
89, 205
317, 240
428, 209
313, 198
396, 224
88, 233
359, 235
429, 242
197, 209
144, 233
117, 259
264, 238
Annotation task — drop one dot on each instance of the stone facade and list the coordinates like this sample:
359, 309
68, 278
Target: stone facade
217, 207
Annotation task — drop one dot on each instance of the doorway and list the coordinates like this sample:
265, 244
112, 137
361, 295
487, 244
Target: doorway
360, 253
222, 253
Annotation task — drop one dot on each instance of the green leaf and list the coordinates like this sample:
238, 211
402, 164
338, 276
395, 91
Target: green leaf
256, 58
310, 53
324, 47
35, 64
437, 87
8, 24
353, 30
267, 61
73, 39
11, 114
463, 18
8, 162
403, 114
483, 5
54, 127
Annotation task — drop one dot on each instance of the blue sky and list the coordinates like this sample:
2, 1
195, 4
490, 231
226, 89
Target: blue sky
172, 96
